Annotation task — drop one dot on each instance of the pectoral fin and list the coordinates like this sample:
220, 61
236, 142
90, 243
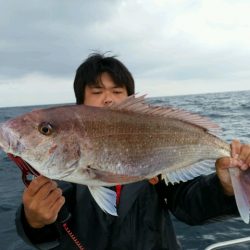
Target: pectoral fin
105, 198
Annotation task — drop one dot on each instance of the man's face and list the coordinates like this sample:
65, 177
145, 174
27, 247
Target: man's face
105, 93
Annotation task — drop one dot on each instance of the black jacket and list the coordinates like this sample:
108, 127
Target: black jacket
143, 221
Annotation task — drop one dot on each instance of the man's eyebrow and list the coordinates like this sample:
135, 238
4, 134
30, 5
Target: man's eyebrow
100, 87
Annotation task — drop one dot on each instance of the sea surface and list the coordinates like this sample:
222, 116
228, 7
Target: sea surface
231, 110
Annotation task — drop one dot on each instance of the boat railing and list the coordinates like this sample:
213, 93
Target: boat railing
223, 244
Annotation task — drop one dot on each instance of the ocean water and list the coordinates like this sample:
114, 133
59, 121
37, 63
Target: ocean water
231, 110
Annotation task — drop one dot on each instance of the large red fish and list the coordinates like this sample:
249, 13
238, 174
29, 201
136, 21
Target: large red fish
124, 143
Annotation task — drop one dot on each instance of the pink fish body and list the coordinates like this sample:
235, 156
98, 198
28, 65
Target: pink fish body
121, 144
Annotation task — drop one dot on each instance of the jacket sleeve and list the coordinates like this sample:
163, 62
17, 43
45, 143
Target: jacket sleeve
42, 238
199, 200
49, 236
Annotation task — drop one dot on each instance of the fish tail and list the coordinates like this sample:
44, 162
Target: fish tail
241, 185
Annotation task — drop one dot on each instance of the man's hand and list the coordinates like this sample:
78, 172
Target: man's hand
42, 201
240, 157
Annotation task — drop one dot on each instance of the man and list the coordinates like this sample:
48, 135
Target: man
143, 221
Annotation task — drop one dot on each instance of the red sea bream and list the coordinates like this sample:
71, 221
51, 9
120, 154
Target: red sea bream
123, 143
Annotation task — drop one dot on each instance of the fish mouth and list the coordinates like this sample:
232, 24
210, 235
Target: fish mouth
10, 144
5, 138
25, 167
9, 141
3, 142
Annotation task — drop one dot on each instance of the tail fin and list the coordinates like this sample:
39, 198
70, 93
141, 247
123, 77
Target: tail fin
241, 185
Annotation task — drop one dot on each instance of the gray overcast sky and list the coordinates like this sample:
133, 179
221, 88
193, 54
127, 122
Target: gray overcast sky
172, 47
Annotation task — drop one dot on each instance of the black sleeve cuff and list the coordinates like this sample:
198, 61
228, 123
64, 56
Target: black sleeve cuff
199, 200
43, 238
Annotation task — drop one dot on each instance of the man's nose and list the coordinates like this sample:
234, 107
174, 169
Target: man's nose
108, 100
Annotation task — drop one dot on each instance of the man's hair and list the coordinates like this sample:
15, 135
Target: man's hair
89, 72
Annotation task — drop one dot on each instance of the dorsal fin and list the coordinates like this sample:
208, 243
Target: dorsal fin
137, 104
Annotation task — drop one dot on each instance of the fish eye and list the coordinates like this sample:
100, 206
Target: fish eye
45, 128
